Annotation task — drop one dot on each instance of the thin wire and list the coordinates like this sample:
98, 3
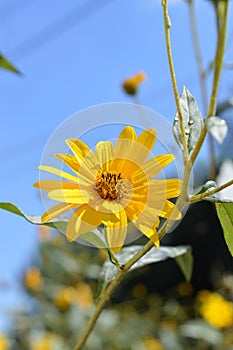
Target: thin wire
58, 28
10, 10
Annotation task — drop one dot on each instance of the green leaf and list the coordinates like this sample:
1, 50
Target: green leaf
217, 127
109, 271
7, 65
185, 263
96, 239
208, 186
33, 219
192, 120
225, 215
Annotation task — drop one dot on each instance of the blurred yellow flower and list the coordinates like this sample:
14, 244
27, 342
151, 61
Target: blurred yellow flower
44, 233
33, 278
152, 344
80, 295
64, 298
216, 310
47, 342
84, 297
131, 84
112, 185
4, 342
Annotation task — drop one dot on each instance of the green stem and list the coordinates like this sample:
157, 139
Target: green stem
202, 81
167, 25
220, 49
199, 197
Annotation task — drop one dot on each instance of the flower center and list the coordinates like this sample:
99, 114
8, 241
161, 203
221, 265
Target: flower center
111, 185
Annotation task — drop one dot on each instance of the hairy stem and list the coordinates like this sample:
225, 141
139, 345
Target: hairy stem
199, 197
202, 81
167, 25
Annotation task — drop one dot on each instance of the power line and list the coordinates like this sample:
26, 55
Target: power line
58, 27
10, 10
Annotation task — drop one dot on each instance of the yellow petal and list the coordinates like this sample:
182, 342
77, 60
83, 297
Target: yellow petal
116, 232
109, 218
110, 207
151, 168
69, 160
147, 138
87, 160
168, 210
124, 142
79, 148
83, 220
75, 196
151, 234
128, 133
56, 210
49, 185
58, 172
143, 146
169, 188
147, 222
104, 151
134, 209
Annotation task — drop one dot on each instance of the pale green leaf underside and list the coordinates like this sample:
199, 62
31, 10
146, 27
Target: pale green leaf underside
109, 271
225, 214
192, 120
217, 127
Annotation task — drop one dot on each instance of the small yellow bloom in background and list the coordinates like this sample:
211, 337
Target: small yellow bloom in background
44, 233
83, 295
4, 342
80, 295
152, 344
33, 278
111, 186
216, 310
47, 342
64, 298
130, 85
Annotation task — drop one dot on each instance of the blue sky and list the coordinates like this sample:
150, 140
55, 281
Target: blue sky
74, 55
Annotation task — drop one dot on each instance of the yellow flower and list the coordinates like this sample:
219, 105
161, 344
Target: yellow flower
64, 297
216, 310
4, 342
47, 342
152, 344
83, 295
111, 185
44, 233
33, 278
130, 85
